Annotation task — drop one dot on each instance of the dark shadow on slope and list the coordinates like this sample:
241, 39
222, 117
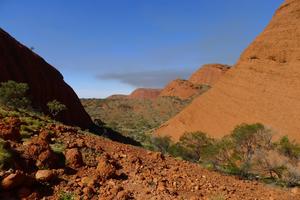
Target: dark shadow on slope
113, 135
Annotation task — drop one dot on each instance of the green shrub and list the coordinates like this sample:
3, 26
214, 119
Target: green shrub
6, 156
66, 196
194, 146
249, 138
30, 126
14, 95
58, 147
288, 148
161, 144
55, 107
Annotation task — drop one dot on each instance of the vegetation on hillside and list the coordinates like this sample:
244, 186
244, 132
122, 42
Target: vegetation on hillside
133, 117
14, 95
248, 152
55, 107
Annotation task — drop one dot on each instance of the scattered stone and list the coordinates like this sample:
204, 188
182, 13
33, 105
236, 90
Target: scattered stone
88, 181
74, 158
12, 181
105, 167
44, 175
44, 136
10, 130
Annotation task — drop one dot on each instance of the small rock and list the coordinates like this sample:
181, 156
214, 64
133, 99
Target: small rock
44, 136
10, 130
44, 175
13, 181
105, 168
74, 158
88, 192
124, 195
88, 181
295, 190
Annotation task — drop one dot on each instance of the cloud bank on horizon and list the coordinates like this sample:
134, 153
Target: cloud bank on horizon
146, 79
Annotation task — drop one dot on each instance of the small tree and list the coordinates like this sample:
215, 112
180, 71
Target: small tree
161, 144
55, 107
195, 145
249, 138
13, 95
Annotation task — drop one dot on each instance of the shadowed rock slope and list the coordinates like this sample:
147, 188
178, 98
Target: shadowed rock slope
20, 64
264, 86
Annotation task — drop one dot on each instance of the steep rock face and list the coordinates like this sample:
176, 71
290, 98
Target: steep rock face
144, 93
264, 86
182, 89
20, 64
209, 74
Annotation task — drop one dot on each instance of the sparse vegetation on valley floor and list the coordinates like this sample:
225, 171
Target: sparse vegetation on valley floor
248, 152
134, 118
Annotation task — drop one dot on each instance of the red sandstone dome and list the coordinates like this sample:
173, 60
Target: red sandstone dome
20, 64
139, 93
180, 88
144, 93
206, 75
264, 86
209, 74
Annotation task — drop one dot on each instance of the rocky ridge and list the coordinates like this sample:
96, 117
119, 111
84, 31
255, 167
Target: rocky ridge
205, 77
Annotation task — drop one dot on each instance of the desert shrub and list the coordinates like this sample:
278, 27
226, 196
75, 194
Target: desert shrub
193, 146
248, 139
161, 144
6, 156
58, 147
291, 175
14, 95
269, 163
55, 107
30, 126
288, 148
66, 196
222, 155
176, 150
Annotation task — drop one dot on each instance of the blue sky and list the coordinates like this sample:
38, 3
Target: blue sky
104, 47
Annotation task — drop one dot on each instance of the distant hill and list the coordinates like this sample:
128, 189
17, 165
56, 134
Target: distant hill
134, 116
139, 93
199, 82
144, 93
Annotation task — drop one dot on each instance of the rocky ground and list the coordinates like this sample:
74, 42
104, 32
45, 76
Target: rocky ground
61, 162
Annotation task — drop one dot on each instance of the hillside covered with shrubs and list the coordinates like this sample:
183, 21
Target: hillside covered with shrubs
133, 117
